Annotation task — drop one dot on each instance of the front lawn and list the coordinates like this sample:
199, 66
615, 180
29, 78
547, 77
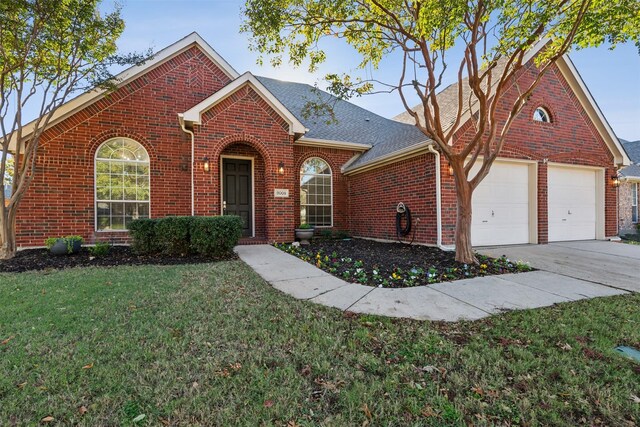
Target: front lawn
212, 344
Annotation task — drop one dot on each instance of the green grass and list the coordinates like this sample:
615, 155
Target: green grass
215, 345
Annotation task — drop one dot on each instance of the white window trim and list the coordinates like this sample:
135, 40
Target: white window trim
330, 190
95, 186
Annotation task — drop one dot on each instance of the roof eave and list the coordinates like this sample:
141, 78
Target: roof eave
396, 156
345, 145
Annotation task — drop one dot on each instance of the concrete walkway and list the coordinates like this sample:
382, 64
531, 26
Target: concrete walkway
468, 299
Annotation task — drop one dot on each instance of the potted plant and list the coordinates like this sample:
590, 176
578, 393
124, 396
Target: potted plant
304, 233
64, 245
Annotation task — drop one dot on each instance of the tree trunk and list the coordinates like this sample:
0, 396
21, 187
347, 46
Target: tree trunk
464, 250
7, 234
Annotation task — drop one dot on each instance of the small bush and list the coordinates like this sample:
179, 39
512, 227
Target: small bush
172, 235
143, 235
215, 236
100, 249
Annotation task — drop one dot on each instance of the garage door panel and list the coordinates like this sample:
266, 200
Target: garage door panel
571, 203
501, 206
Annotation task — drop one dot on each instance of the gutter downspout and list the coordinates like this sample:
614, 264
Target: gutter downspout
193, 149
438, 197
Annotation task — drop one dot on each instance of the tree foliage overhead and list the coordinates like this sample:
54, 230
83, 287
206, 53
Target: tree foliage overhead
49, 51
484, 42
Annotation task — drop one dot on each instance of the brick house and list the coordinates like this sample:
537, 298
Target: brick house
185, 134
628, 192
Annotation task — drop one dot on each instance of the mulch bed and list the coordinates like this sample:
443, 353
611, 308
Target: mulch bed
42, 259
396, 265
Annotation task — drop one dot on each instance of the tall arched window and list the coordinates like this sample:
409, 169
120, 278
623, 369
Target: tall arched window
122, 184
316, 195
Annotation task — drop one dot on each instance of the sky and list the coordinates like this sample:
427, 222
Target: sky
612, 76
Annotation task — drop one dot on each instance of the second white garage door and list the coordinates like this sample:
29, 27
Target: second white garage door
572, 203
501, 205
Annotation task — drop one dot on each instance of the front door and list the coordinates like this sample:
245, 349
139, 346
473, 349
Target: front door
238, 192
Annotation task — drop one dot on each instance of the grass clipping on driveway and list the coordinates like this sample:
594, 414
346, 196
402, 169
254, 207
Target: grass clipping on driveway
212, 344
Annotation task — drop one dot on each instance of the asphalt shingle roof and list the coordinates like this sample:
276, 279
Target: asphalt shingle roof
353, 123
633, 151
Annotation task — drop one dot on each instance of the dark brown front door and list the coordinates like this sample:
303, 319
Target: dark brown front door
237, 193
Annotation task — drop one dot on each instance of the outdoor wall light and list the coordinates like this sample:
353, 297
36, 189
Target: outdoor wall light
450, 170
205, 164
615, 181
281, 168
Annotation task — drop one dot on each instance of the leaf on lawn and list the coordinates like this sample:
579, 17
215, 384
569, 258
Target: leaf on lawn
635, 399
21, 385
89, 366
47, 419
428, 412
306, 371
195, 384
367, 411
139, 418
5, 342
292, 423
565, 346
478, 390
82, 410
268, 403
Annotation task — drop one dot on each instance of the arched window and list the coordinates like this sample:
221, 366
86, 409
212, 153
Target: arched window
122, 184
316, 195
541, 115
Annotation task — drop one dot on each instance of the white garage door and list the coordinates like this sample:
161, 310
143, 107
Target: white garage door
572, 203
501, 206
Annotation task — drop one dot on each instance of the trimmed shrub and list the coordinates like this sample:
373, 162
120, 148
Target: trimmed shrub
172, 235
143, 235
215, 235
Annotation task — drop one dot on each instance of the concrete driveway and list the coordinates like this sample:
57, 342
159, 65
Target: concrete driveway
608, 263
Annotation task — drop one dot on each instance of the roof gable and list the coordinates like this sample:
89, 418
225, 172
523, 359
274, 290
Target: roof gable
87, 98
194, 114
448, 101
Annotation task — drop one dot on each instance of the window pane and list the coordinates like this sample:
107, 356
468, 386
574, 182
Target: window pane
117, 168
117, 223
103, 193
117, 193
103, 223
143, 210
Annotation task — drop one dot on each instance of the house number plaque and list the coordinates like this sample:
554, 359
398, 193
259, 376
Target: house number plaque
280, 192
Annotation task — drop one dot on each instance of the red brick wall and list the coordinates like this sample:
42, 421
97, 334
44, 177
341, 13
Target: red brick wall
570, 138
60, 200
375, 194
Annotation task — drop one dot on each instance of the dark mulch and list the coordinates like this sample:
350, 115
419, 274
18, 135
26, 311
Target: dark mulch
42, 259
395, 265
